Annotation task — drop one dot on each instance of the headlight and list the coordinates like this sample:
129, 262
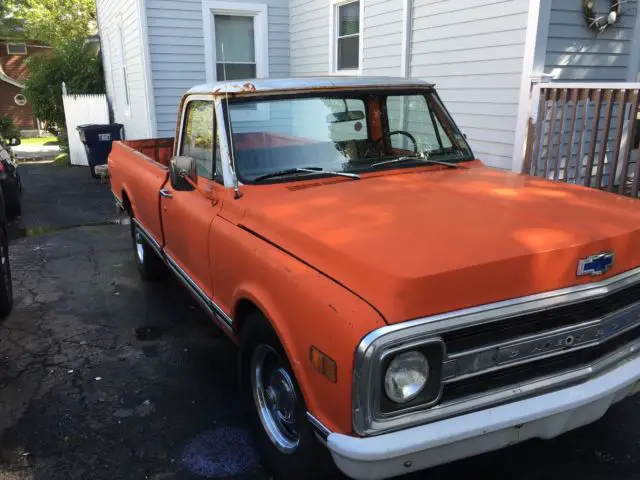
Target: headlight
406, 376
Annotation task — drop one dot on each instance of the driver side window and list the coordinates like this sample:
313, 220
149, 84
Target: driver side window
197, 137
411, 113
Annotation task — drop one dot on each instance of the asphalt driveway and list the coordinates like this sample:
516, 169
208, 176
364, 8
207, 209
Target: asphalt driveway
105, 377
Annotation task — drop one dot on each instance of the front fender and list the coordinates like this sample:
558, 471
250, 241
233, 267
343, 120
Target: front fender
304, 307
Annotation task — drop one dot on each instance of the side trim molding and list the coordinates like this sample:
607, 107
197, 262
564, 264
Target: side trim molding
213, 309
320, 428
209, 305
147, 236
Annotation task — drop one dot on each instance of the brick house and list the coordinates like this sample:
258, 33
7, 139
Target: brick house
13, 73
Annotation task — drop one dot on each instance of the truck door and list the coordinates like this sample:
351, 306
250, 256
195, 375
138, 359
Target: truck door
187, 215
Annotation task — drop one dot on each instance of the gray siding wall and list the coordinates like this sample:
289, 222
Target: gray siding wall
473, 51
382, 37
112, 14
575, 52
309, 37
176, 43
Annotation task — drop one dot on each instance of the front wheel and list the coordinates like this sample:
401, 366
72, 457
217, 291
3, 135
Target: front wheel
283, 434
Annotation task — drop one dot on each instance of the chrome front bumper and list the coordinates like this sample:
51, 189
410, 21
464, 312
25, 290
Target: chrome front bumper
543, 416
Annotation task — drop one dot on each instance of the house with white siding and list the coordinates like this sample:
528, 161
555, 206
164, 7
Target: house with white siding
482, 54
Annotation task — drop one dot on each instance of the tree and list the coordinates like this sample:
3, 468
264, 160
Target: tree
54, 22
10, 26
74, 65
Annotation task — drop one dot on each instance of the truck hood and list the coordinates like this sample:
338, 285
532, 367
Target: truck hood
424, 241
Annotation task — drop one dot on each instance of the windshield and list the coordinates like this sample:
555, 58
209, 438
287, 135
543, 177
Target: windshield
340, 133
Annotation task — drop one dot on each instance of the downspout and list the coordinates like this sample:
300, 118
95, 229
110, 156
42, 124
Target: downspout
407, 24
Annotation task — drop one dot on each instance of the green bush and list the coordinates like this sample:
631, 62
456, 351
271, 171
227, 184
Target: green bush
80, 70
8, 129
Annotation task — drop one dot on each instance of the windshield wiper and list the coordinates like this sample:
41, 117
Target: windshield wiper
419, 158
291, 171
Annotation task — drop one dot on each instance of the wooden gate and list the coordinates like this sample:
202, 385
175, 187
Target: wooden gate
82, 110
585, 133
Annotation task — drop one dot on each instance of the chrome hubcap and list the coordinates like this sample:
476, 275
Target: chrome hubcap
139, 246
275, 398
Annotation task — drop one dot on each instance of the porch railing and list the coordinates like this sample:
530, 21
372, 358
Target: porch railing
585, 133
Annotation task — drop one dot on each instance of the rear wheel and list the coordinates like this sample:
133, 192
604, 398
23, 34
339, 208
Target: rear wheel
282, 432
150, 265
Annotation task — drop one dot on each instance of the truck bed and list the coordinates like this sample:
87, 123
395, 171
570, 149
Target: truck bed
158, 149
138, 170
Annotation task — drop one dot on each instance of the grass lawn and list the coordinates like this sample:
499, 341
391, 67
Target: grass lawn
61, 160
39, 141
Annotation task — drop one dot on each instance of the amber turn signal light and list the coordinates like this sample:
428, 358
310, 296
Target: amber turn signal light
324, 364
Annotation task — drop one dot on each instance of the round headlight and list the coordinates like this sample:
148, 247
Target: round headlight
406, 376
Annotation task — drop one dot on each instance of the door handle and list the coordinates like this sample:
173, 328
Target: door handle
166, 193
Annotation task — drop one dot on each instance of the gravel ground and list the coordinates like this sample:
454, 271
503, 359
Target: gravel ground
105, 377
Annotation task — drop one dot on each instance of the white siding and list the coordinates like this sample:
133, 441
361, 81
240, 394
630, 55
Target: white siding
113, 14
473, 51
309, 37
176, 43
382, 45
575, 52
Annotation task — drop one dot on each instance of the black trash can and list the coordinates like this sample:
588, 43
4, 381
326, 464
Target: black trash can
97, 142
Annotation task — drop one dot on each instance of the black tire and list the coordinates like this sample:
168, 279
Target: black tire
149, 264
6, 284
12, 202
310, 459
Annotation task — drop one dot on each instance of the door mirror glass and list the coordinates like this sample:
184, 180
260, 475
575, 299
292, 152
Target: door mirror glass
181, 171
14, 142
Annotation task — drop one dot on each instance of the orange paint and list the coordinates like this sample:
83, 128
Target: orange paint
329, 260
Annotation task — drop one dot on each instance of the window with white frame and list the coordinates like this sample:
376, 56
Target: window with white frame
236, 45
16, 48
347, 36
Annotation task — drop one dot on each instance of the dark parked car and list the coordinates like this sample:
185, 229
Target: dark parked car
6, 285
10, 177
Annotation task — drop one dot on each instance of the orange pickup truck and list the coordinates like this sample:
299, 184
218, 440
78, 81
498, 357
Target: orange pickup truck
396, 303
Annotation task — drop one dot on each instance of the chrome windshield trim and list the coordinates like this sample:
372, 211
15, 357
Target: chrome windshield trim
367, 356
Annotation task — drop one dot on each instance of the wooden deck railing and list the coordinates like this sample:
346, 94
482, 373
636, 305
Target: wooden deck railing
585, 133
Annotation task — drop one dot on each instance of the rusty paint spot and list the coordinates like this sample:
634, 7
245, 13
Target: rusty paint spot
249, 87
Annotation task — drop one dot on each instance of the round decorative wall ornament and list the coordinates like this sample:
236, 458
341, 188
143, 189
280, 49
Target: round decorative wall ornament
601, 21
20, 100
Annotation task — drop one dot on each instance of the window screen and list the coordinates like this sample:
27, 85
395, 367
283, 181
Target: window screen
16, 48
349, 36
236, 34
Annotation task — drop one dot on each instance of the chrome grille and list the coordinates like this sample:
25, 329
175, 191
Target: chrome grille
524, 325
567, 336
528, 372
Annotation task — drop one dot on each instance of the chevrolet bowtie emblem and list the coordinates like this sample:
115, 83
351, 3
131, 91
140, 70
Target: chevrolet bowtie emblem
596, 264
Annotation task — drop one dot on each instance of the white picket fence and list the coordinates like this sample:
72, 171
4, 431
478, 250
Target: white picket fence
82, 110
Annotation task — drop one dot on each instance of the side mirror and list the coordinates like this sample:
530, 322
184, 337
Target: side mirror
180, 169
14, 142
